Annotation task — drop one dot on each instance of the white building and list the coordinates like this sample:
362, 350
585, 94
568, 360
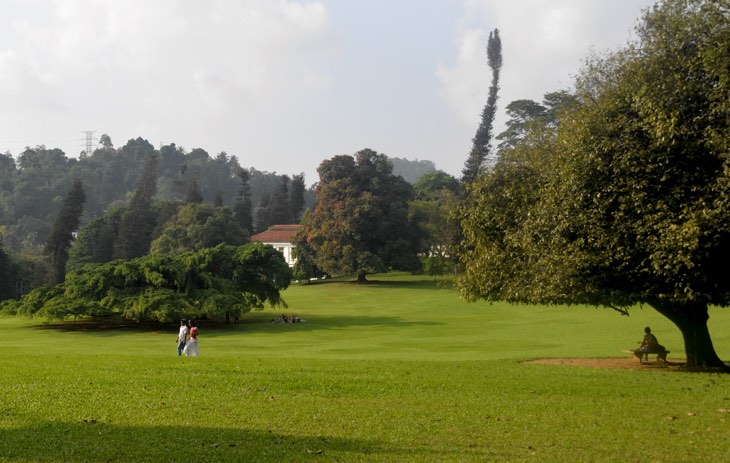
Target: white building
280, 237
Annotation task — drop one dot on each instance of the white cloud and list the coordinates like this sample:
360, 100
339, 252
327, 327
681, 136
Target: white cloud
126, 65
543, 45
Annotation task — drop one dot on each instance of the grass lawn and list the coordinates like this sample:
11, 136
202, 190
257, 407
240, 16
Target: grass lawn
394, 371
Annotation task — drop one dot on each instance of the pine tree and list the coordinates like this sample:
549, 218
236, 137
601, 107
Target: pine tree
263, 212
67, 222
194, 194
483, 138
279, 207
296, 198
242, 209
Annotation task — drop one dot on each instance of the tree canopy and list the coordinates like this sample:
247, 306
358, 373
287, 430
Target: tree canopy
197, 226
213, 283
629, 200
360, 223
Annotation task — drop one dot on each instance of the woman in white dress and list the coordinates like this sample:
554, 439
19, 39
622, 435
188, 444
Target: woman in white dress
191, 347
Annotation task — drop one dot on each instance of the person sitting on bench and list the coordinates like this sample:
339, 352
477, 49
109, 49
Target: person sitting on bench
650, 345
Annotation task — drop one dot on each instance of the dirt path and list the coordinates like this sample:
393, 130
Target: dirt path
628, 363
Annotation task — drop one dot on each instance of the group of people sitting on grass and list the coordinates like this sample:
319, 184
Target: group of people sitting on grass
287, 319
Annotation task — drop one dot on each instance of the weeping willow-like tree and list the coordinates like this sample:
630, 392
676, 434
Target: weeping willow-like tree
224, 281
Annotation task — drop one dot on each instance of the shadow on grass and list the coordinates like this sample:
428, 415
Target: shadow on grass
92, 441
257, 322
436, 283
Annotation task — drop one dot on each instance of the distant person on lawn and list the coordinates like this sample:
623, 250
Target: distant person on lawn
191, 348
182, 337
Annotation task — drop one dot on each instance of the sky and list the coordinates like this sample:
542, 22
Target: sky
286, 84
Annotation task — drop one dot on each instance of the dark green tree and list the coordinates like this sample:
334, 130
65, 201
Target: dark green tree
7, 274
263, 213
214, 282
279, 206
197, 226
629, 202
194, 194
135, 228
524, 113
483, 137
7, 174
243, 208
360, 223
437, 196
67, 222
218, 199
296, 198
106, 142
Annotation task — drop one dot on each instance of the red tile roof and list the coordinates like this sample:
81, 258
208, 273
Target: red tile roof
277, 234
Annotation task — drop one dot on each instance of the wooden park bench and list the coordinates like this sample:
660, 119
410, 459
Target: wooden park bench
643, 354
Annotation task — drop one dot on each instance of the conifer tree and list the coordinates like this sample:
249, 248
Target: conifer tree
296, 198
242, 209
67, 222
194, 194
483, 138
263, 212
135, 228
279, 207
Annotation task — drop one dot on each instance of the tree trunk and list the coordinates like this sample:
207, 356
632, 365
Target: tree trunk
691, 319
361, 277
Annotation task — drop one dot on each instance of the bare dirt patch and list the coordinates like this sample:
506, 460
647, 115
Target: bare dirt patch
626, 363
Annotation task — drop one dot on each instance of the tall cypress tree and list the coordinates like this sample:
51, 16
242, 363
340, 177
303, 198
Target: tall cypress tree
243, 209
296, 198
483, 138
61, 237
135, 228
263, 212
279, 207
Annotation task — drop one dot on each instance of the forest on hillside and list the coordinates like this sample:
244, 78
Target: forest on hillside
34, 185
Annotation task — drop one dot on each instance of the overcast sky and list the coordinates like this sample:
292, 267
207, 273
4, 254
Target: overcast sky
285, 84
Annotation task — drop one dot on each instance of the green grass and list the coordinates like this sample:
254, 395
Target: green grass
399, 370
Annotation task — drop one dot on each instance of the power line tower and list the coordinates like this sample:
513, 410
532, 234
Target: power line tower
89, 141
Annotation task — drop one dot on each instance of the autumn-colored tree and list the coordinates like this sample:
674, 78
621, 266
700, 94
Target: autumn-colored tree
360, 223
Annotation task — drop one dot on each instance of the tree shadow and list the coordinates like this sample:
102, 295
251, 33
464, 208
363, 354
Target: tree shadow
97, 441
435, 283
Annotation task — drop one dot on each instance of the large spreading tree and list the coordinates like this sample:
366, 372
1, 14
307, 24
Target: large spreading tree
360, 223
223, 281
628, 202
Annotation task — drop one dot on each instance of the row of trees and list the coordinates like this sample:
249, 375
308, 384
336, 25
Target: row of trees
32, 187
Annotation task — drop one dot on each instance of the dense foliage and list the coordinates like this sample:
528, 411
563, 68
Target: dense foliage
33, 185
361, 223
224, 281
66, 224
437, 196
629, 200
